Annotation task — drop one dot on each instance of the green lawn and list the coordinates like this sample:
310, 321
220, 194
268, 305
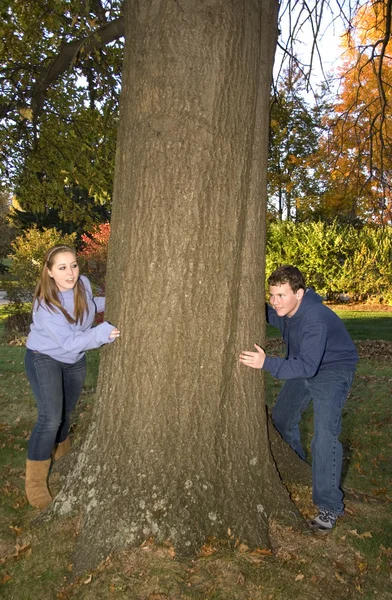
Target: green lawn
362, 325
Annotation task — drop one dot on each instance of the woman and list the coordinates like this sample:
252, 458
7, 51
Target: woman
61, 332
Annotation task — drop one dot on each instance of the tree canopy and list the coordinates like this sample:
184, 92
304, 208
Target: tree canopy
356, 153
60, 84
59, 103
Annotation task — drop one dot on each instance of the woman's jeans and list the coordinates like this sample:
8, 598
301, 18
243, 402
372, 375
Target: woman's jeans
328, 390
56, 387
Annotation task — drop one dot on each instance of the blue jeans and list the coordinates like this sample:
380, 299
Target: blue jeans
328, 390
56, 387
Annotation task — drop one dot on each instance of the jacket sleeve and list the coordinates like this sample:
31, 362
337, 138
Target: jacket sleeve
306, 364
67, 336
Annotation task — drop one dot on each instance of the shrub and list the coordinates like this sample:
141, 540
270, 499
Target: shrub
93, 255
26, 262
335, 259
17, 326
367, 272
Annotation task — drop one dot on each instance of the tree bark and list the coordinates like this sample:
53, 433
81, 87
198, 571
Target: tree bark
178, 448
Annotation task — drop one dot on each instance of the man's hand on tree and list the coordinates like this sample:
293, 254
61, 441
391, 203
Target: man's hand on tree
253, 359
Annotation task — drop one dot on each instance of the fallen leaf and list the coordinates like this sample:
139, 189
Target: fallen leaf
339, 578
263, 551
207, 550
386, 551
15, 529
300, 577
364, 535
88, 580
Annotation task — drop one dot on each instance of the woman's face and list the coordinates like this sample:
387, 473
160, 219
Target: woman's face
65, 271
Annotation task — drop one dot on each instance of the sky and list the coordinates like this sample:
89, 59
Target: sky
328, 42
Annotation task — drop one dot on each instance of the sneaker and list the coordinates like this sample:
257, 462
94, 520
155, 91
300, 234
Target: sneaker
325, 521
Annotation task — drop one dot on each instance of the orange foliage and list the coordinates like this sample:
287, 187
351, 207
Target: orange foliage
357, 153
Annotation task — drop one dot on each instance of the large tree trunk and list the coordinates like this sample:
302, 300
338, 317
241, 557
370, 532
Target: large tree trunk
178, 448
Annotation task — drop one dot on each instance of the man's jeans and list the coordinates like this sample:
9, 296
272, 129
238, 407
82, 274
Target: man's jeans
328, 390
56, 387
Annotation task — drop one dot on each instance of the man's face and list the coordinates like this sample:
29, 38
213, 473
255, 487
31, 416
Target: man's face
284, 300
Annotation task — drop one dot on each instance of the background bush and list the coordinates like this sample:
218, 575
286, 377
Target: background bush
335, 259
27, 252
93, 256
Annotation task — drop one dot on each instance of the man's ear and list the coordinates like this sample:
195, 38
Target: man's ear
300, 294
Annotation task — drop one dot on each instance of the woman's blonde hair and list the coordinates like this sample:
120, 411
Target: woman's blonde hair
47, 291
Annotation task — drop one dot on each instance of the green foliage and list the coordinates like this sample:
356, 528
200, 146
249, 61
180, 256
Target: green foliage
59, 102
27, 254
293, 143
84, 215
335, 259
368, 269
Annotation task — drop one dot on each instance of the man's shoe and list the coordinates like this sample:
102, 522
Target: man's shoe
325, 521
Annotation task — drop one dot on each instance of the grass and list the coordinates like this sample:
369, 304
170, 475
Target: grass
362, 325
352, 563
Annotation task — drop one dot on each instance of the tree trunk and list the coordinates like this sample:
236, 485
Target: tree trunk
178, 448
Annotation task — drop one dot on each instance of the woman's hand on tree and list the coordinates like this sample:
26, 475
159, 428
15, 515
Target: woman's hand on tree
114, 334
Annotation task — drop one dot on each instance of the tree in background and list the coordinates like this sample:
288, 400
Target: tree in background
89, 214
356, 163
7, 233
294, 133
58, 133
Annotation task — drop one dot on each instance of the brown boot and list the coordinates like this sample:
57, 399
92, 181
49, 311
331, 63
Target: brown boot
36, 483
62, 449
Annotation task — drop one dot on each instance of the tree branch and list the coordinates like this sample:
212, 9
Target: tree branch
67, 56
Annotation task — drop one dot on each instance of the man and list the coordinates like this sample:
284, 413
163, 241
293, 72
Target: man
319, 367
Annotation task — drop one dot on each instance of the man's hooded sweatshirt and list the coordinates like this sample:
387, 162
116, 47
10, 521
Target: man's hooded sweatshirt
316, 341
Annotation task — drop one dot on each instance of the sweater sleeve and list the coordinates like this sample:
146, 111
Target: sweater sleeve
98, 300
309, 358
67, 336
99, 303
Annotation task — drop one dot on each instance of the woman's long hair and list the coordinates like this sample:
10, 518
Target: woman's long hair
47, 291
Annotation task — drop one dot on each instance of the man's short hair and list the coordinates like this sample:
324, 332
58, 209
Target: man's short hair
288, 274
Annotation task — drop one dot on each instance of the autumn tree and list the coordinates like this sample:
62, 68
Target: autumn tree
356, 160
